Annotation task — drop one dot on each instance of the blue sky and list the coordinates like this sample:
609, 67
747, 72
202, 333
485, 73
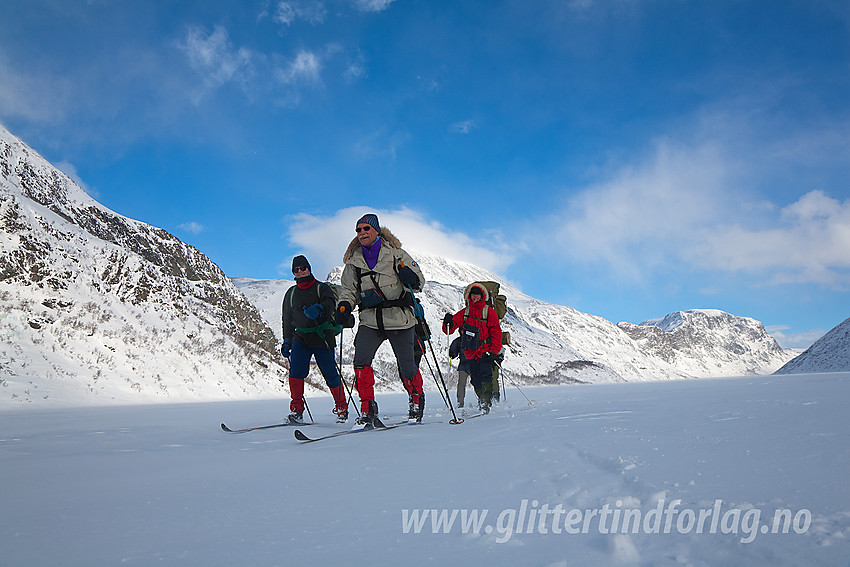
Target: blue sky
628, 158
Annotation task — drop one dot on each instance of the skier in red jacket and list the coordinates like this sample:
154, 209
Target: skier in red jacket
481, 339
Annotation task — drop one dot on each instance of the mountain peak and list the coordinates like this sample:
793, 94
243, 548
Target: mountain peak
709, 342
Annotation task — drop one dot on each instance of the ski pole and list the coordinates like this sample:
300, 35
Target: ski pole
303, 399
504, 390
434, 375
342, 378
449, 374
420, 315
531, 402
456, 420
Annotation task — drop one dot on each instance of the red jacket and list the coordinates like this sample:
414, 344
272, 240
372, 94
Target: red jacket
490, 335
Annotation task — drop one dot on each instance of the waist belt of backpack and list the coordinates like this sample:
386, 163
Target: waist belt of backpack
320, 329
403, 301
406, 299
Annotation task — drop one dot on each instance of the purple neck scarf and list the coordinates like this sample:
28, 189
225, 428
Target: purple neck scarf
371, 253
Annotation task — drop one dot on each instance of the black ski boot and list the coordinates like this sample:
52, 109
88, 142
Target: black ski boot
416, 410
296, 417
370, 418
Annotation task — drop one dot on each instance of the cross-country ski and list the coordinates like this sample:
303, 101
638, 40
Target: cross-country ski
258, 428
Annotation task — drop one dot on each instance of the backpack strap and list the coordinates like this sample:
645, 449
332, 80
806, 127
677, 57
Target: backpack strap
404, 300
483, 319
318, 293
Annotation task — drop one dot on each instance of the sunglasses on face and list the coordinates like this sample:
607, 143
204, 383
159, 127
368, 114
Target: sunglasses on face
366, 228
300, 269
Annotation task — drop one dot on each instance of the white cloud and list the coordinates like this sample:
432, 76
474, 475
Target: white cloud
372, 5
33, 96
304, 69
324, 239
685, 207
644, 215
809, 244
356, 67
382, 144
215, 58
289, 11
463, 127
803, 339
193, 227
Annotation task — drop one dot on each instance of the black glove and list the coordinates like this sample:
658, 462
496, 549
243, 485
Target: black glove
314, 311
499, 358
286, 348
343, 315
487, 358
408, 277
447, 322
454, 348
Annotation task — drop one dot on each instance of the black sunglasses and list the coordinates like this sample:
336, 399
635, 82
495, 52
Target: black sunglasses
366, 228
300, 269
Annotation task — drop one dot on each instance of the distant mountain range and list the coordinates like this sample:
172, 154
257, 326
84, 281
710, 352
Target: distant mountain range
556, 344
96, 308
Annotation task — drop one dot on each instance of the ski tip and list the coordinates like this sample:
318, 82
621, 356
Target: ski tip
300, 436
225, 428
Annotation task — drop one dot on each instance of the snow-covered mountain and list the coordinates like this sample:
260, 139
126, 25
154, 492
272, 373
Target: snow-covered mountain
830, 353
96, 307
709, 342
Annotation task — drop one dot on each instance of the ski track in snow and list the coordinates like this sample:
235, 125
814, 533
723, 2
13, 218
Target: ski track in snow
163, 484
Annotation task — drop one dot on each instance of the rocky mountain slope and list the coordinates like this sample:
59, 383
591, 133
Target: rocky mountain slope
97, 307
830, 353
709, 342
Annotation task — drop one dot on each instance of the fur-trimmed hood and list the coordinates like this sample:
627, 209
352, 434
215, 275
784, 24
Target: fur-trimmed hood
483, 288
387, 237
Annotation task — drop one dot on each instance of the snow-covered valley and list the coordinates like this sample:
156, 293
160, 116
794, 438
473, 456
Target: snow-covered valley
663, 473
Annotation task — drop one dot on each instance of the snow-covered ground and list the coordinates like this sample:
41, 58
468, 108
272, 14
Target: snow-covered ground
693, 472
